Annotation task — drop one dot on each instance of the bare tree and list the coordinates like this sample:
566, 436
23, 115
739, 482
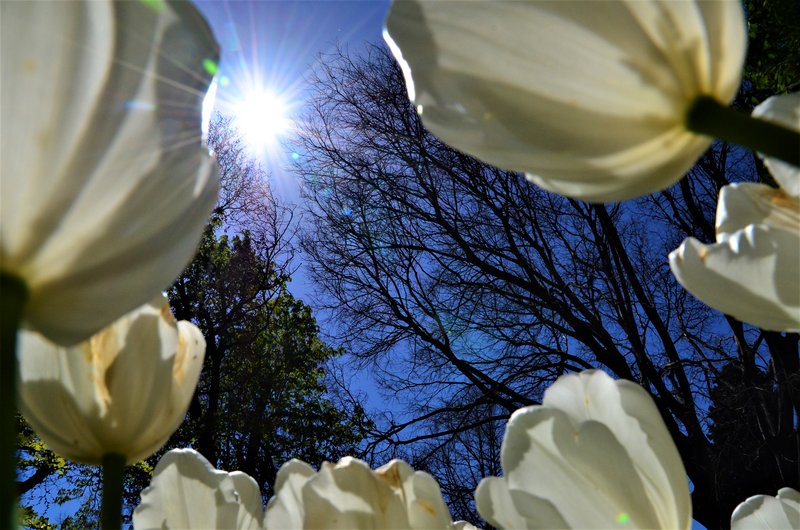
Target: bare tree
246, 201
468, 290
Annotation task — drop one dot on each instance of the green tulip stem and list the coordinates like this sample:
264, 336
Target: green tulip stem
13, 295
710, 117
111, 510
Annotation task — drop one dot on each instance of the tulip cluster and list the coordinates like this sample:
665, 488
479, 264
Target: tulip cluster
187, 492
594, 454
753, 270
106, 187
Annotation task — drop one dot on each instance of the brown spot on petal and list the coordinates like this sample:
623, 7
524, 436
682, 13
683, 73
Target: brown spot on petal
181, 358
427, 506
783, 200
86, 351
29, 66
43, 140
391, 475
703, 253
166, 314
100, 352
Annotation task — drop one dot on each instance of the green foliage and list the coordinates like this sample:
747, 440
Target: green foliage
30, 519
773, 56
35, 461
35, 464
262, 397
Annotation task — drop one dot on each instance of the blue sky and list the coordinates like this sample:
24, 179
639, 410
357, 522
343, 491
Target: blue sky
274, 45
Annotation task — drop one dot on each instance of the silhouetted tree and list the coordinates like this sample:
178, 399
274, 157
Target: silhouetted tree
470, 290
262, 397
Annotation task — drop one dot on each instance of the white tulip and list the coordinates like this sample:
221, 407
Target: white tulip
595, 454
187, 493
589, 99
349, 495
106, 186
752, 272
763, 512
784, 110
124, 391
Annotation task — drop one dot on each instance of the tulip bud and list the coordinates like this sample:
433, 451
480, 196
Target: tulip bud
187, 493
350, 495
594, 454
124, 391
589, 100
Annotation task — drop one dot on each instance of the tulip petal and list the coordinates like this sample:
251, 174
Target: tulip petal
590, 478
421, 494
50, 84
187, 493
764, 512
498, 81
56, 395
744, 204
178, 366
785, 110
285, 509
350, 496
251, 514
495, 504
751, 276
629, 412
144, 362
726, 35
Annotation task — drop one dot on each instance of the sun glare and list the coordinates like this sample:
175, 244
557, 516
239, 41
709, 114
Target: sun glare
261, 118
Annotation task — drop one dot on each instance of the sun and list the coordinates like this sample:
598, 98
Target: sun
261, 117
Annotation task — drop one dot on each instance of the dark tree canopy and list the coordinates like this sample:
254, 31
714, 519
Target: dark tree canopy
262, 397
470, 290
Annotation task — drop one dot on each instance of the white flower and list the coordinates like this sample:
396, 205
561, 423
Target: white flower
589, 99
105, 184
349, 495
595, 454
784, 110
753, 271
187, 493
124, 391
764, 512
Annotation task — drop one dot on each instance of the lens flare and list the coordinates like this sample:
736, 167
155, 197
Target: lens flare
260, 117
